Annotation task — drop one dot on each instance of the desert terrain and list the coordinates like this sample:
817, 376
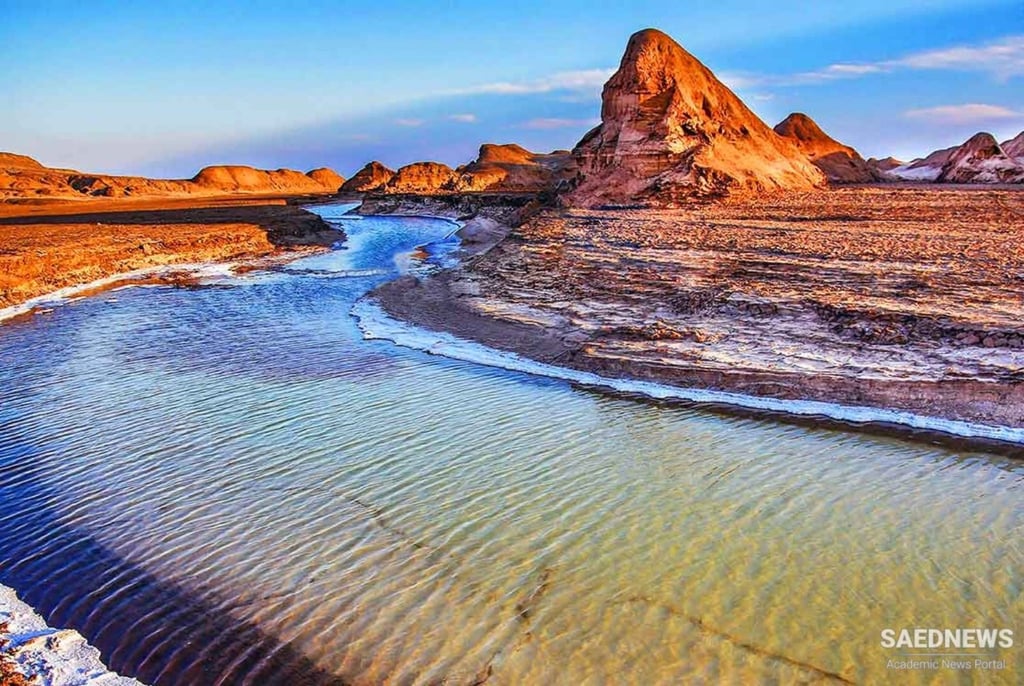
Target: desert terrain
46, 246
907, 298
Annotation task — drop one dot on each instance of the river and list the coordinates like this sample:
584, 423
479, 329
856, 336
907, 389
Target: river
228, 484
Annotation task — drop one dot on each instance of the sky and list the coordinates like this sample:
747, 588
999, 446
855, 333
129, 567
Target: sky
163, 89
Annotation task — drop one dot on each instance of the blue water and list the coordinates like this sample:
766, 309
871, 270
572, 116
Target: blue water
227, 484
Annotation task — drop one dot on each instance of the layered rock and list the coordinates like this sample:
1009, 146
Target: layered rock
1014, 147
981, 160
422, 177
373, 177
670, 131
513, 168
840, 163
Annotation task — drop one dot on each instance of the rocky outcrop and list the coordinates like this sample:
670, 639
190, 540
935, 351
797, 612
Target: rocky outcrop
422, 177
978, 160
23, 177
238, 178
1014, 147
981, 160
373, 177
328, 178
840, 163
10, 160
886, 164
513, 168
670, 131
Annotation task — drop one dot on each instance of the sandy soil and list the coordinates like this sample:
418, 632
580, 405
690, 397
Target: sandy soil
45, 246
901, 297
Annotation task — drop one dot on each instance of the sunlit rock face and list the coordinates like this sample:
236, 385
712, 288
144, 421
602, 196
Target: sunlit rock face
421, 177
230, 178
839, 162
513, 168
372, 177
670, 130
21, 176
326, 177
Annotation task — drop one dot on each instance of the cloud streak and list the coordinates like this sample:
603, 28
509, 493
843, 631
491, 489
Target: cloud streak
548, 123
1002, 59
970, 113
463, 118
585, 81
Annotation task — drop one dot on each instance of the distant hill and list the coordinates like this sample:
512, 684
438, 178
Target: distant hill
839, 162
24, 177
980, 159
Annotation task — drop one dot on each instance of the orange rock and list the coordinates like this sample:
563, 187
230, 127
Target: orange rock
372, 177
328, 178
422, 177
670, 130
841, 163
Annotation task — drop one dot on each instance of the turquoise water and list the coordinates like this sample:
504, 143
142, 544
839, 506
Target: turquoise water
227, 484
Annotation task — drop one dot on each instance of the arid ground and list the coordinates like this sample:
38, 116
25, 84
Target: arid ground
45, 246
903, 297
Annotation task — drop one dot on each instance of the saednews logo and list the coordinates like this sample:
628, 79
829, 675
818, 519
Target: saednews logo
947, 638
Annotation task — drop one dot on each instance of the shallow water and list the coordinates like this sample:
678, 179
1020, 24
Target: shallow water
228, 485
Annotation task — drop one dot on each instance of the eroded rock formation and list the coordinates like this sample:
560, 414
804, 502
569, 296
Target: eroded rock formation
23, 177
670, 130
981, 160
840, 163
421, 177
372, 177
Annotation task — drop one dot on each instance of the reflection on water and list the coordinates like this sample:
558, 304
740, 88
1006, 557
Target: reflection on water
229, 484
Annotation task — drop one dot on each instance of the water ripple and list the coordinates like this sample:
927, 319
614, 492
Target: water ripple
230, 486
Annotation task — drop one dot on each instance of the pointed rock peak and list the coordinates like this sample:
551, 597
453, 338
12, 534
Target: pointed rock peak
370, 178
982, 141
670, 130
841, 163
801, 127
981, 160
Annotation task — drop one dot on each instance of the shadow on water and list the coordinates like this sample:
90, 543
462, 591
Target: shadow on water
144, 627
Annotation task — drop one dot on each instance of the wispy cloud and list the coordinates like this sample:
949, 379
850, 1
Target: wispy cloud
463, 118
546, 123
409, 122
970, 113
1002, 59
587, 80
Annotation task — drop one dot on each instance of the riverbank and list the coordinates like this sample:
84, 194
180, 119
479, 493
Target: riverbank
49, 246
895, 299
34, 654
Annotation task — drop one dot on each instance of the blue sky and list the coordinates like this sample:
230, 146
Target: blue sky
165, 88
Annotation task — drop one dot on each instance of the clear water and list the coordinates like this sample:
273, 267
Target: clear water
228, 485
